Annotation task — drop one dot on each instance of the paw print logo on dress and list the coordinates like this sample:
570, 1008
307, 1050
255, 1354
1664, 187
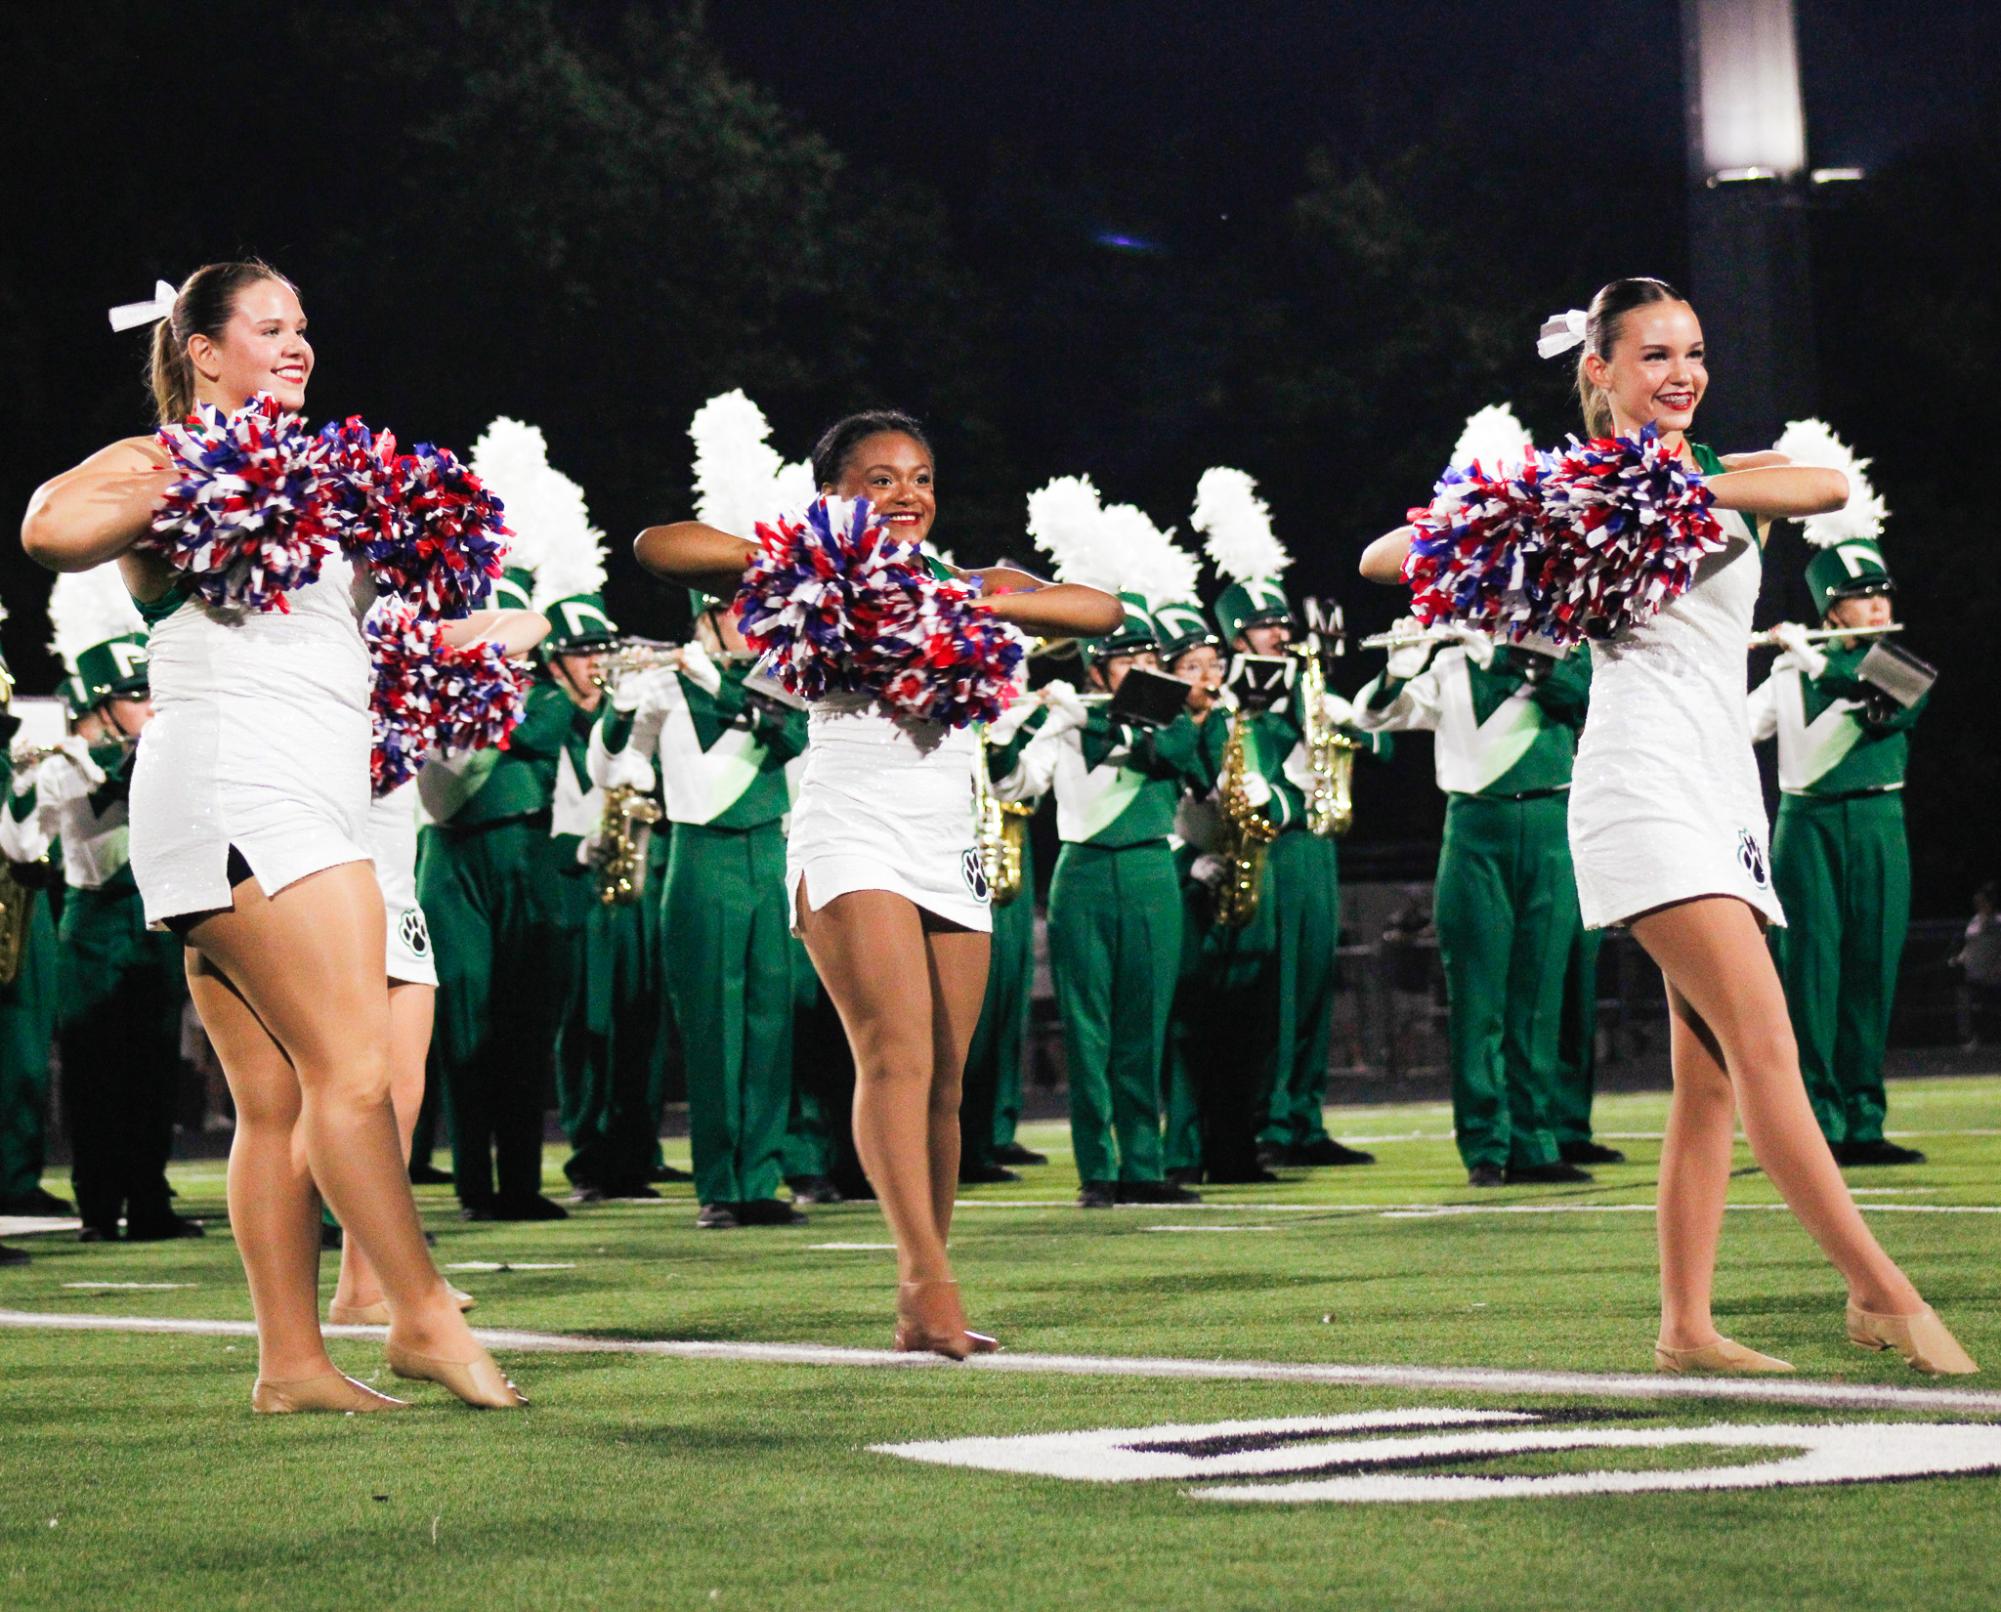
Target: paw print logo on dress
1751, 856
974, 872
414, 933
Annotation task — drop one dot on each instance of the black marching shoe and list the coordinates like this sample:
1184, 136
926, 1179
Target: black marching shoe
13, 1256
162, 1228
1155, 1192
1252, 1175
716, 1217
985, 1175
1096, 1195
1486, 1175
38, 1202
1589, 1153
768, 1212
1521, 1175
1876, 1152
429, 1175
532, 1207
815, 1189
99, 1233
1015, 1153
1326, 1152
663, 1173
1185, 1178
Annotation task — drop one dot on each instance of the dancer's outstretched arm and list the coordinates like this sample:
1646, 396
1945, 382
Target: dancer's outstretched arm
99, 509
1779, 491
1382, 560
696, 555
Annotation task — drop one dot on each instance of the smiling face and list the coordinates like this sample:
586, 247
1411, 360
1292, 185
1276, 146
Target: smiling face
1655, 373
892, 470
263, 348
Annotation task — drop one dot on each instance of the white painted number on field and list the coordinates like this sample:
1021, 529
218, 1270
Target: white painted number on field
1378, 1456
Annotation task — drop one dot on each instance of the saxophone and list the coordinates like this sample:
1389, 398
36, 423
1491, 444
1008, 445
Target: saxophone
1000, 831
625, 832
17, 906
1330, 754
1246, 832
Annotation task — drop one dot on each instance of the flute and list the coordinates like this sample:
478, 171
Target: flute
1403, 640
1822, 635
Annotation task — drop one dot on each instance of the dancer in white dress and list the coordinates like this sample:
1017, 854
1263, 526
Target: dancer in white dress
1668, 833
886, 890
249, 839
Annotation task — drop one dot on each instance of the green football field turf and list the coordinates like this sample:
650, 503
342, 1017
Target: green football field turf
132, 1473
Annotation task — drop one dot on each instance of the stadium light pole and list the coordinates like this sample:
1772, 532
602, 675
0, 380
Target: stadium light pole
1748, 191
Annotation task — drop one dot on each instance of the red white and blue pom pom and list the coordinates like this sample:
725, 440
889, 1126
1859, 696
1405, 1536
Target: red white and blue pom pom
362, 464
835, 603
1627, 523
1584, 543
445, 547
431, 698
250, 515
1475, 546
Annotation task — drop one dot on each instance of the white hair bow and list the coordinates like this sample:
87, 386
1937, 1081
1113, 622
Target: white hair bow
1562, 331
158, 306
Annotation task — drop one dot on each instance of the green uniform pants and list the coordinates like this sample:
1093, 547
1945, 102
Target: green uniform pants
1114, 949
120, 989
505, 921
1577, 1038
1182, 1146
1304, 889
1225, 1021
990, 1107
27, 1027
1506, 909
729, 972
609, 1062
1842, 870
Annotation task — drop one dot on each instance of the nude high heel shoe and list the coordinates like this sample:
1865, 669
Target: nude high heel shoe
1725, 1356
929, 1319
480, 1383
332, 1391
1922, 1339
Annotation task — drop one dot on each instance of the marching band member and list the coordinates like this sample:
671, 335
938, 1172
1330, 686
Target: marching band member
883, 885
1506, 908
121, 985
1114, 898
1667, 836
248, 805
504, 895
1840, 861
723, 750
28, 972
1302, 870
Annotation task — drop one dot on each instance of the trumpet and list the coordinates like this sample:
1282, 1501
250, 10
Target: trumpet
632, 656
33, 755
1824, 635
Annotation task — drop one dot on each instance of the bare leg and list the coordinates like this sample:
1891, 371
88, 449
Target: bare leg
410, 1010
869, 948
273, 1209
308, 961
958, 986
1714, 957
1695, 1178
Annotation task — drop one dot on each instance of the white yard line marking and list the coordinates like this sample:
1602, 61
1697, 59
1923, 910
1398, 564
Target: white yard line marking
30, 1225
1461, 1379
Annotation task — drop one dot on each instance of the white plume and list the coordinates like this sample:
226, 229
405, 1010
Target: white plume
1068, 524
1495, 438
1237, 524
736, 468
1151, 564
88, 608
793, 489
1813, 442
553, 535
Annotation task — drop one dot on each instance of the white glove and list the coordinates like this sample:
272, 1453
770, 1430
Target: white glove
1407, 660
1257, 789
1479, 647
1209, 871
643, 691
696, 666
1066, 710
69, 774
1791, 637
1338, 709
